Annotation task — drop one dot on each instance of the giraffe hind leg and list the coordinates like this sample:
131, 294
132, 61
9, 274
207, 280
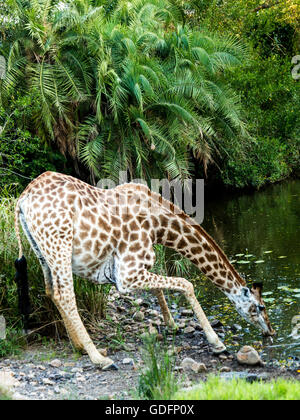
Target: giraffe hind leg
169, 321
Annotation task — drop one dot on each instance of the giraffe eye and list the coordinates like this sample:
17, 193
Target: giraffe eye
260, 307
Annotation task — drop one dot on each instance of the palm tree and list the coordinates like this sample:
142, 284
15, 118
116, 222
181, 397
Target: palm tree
124, 85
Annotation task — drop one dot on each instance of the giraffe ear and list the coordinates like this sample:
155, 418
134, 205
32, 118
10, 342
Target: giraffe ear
257, 289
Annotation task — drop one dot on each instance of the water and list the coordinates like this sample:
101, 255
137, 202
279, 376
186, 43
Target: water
264, 226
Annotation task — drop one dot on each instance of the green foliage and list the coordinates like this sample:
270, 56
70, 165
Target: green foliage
22, 155
155, 88
269, 93
216, 388
13, 343
126, 85
157, 380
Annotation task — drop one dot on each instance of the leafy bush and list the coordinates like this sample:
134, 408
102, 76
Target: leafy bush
23, 156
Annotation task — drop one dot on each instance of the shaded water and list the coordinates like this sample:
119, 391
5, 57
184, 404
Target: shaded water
264, 227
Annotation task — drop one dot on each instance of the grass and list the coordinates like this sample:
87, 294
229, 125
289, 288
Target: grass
4, 394
157, 379
216, 388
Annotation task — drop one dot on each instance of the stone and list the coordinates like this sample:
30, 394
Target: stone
152, 330
138, 316
55, 363
236, 327
249, 377
247, 355
48, 381
127, 361
225, 369
190, 364
215, 323
187, 312
189, 330
138, 302
103, 352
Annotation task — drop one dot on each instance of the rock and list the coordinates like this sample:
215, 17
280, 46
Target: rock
48, 381
80, 378
222, 357
153, 312
247, 355
103, 352
55, 363
249, 377
190, 364
127, 361
215, 323
225, 369
138, 302
189, 330
236, 327
152, 330
138, 316
187, 312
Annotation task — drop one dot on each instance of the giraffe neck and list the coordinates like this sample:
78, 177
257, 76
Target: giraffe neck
193, 242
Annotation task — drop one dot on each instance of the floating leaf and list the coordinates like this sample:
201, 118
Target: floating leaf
268, 293
249, 255
297, 295
282, 256
286, 288
239, 255
267, 252
233, 261
243, 262
269, 300
259, 261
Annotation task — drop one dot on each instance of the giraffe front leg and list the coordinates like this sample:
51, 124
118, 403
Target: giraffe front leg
145, 279
64, 298
169, 321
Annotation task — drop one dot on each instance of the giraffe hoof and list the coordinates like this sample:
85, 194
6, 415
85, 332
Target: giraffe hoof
112, 366
219, 350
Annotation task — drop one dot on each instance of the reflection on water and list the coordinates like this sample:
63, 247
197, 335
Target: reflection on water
260, 232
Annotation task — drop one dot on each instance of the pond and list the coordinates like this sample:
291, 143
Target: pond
260, 234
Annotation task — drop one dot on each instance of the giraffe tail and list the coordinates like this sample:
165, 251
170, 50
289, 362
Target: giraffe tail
21, 277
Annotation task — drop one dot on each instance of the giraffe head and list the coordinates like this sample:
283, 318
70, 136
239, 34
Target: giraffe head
251, 307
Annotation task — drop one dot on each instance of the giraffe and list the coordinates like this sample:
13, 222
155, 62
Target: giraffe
107, 236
